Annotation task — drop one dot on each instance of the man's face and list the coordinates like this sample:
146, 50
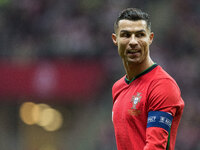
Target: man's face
133, 40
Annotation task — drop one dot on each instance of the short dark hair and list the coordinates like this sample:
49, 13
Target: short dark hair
133, 14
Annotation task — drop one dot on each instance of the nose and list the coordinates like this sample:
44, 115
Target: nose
133, 41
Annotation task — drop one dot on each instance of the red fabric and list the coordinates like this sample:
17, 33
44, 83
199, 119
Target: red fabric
157, 91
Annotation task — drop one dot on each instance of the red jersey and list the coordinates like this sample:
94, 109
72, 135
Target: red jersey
147, 111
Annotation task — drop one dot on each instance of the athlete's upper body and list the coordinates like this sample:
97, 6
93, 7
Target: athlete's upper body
147, 103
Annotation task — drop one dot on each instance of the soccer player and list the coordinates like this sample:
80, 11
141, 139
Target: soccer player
147, 103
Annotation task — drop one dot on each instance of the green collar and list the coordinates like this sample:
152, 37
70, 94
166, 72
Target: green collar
142, 73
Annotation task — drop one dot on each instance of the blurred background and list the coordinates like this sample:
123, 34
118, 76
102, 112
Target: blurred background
58, 65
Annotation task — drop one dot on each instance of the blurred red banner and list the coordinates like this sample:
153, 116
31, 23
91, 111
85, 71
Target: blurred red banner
51, 79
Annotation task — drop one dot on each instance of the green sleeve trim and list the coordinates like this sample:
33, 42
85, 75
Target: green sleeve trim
168, 142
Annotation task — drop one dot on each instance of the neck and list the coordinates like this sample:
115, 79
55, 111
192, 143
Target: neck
132, 69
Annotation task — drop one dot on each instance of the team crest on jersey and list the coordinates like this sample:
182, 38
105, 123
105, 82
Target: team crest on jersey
135, 100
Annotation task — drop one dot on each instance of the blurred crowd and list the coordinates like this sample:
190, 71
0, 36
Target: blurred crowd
81, 30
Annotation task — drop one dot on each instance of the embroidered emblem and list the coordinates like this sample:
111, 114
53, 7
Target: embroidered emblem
135, 100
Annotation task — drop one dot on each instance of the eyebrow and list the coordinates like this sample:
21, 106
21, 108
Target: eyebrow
133, 31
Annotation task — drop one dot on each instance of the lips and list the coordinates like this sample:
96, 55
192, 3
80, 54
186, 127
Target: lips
132, 52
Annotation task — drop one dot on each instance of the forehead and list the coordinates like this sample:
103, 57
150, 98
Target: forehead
130, 25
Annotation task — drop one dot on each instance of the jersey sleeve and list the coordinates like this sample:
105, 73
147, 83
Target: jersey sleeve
164, 95
163, 103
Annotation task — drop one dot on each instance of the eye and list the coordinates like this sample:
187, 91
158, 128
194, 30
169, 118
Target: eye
140, 35
125, 34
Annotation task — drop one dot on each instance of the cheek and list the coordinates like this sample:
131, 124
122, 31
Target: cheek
121, 50
143, 45
142, 42
144, 48
121, 47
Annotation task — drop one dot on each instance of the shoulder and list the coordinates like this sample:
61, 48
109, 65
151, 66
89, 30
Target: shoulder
160, 73
119, 82
165, 95
118, 86
162, 79
164, 86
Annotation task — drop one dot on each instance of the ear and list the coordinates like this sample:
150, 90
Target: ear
151, 36
114, 38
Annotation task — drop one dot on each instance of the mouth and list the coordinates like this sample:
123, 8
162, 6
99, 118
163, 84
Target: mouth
133, 52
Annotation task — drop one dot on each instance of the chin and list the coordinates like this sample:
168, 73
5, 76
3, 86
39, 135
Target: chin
134, 61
